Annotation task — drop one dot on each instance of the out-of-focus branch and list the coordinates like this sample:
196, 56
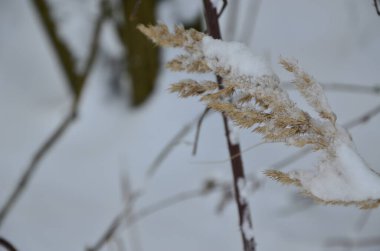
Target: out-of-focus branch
75, 80
7, 245
376, 7
198, 130
33, 165
361, 119
105, 13
344, 87
176, 139
143, 213
168, 148
64, 55
352, 243
225, 2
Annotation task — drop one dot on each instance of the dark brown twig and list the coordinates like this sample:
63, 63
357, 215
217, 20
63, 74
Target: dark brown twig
223, 8
198, 129
7, 245
376, 7
245, 221
344, 87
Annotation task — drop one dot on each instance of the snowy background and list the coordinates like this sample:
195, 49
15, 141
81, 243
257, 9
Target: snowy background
77, 190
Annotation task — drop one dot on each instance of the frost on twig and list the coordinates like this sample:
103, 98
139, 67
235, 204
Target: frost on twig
253, 98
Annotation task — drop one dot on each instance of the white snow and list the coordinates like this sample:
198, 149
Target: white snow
233, 133
242, 186
235, 57
344, 177
247, 230
76, 192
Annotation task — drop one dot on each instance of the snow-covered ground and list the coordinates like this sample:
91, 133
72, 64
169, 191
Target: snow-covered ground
77, 190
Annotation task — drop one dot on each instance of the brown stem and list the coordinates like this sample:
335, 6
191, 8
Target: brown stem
245, 221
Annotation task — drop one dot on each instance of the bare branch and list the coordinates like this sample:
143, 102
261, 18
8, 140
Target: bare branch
344, 87
363, 220
7, 245
37, 157
94, 41
352, 243
143, 213
231, 157
76, 81
376, 7
223, 8
198, 129
364, 118
168, 148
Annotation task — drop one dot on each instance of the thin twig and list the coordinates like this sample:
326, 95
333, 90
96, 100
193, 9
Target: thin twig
143, 213
129, 197
351, 243
76, 80
7, 245
345, 87
363, 220
176, 139
225, 2
198, 129
165, 203
232, 157
244, 213
37, 157
364, 118
94, 41
109, 233
168, 148
376, 7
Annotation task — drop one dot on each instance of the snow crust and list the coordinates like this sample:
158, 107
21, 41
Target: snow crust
234, 56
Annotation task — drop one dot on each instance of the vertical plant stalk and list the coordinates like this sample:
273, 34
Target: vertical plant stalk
245, 221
